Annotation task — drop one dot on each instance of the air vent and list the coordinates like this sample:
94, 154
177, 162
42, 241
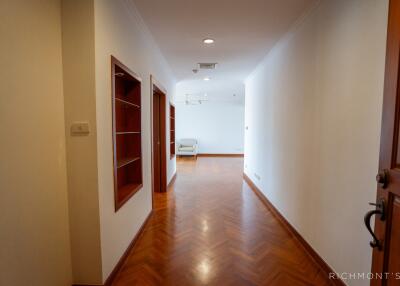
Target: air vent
207, 66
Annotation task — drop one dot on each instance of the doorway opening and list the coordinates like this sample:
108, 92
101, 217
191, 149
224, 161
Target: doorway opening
158, 127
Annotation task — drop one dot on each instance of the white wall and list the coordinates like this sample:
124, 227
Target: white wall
313, 109
80, 105
34, 232
119, 31
218, 123
218, 126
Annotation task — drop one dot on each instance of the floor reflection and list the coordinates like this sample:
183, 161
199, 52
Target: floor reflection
211, 229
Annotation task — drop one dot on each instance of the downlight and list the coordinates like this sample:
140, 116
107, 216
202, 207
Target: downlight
208, 41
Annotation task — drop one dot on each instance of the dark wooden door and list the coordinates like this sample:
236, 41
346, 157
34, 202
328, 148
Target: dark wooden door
159, 141
156, 144
386, 244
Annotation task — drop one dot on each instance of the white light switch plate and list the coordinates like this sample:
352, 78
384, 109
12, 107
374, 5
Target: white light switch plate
80, 128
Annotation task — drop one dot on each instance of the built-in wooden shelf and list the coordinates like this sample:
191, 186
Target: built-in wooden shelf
172, 129
127, 136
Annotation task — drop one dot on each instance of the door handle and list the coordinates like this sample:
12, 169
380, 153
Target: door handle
379, 210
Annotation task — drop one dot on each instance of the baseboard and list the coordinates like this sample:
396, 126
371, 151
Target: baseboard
219, 155
172, 180
124, 256
306, 246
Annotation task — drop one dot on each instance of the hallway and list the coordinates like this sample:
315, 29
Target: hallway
290, 105
211, 229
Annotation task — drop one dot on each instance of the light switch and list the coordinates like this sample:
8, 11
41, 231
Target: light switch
80, 128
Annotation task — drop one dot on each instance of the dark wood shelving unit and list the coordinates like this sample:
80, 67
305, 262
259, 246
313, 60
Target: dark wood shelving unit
127, 132
172, 129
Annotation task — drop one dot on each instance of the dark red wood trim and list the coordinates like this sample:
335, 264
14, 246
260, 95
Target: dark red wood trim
292, 231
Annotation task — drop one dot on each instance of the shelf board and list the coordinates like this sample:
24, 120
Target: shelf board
127, 132
126, 161
127, 102
127, 191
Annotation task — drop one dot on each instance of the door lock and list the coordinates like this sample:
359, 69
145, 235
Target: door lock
382, 178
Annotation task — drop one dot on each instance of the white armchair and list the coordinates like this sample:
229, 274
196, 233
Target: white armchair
187, 147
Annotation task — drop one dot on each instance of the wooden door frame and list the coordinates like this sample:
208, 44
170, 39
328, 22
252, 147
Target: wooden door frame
388, 143
156, 86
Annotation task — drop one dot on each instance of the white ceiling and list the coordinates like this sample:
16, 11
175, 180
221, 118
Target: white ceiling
244, 31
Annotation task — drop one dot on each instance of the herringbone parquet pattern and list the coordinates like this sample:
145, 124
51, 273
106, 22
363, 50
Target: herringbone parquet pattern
211, 229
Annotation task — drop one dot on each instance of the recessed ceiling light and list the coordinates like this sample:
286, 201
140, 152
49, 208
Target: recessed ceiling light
206, 78
208, 41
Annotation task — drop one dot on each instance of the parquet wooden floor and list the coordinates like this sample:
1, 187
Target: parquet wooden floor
211, 229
